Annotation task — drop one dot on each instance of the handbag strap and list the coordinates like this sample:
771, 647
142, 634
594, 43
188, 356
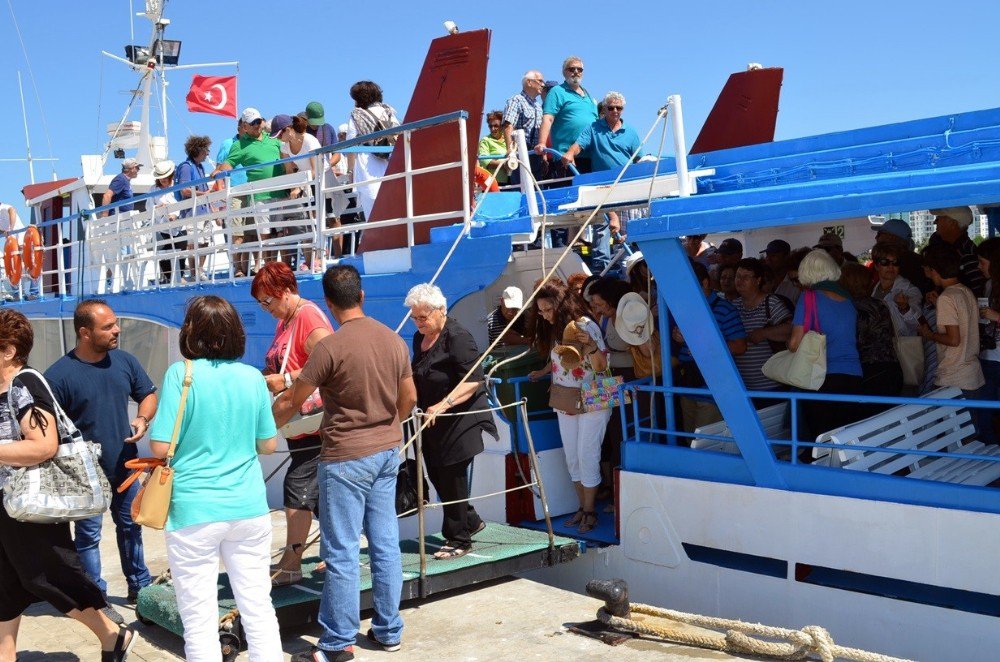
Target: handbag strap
188, 366
64, 424
810, 319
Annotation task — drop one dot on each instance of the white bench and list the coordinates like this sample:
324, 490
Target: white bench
771, 418
914, 427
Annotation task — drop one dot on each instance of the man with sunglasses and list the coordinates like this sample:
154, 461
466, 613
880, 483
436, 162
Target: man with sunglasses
253, 148
610, 144
567, 111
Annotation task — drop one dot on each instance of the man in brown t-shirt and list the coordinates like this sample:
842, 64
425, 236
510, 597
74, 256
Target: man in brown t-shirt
363, 374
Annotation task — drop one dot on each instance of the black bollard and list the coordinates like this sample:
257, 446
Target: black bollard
614, 592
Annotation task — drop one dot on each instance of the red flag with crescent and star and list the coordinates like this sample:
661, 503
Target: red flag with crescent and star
212, 94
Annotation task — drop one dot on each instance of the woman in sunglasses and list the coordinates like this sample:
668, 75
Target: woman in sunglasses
904, 300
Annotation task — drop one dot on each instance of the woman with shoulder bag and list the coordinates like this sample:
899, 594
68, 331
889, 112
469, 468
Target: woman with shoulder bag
39, 562
767, 321
581, 432
301, 325
218, 506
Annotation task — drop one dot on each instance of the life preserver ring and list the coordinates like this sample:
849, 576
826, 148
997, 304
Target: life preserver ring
485, 181
12, 260
32, 252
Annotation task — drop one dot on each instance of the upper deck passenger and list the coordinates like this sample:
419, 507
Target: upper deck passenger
567, 111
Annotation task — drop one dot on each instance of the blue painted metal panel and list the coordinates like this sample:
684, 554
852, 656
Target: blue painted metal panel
689, 307
664, 460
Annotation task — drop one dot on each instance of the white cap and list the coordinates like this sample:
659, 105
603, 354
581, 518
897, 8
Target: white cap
342, 128
250, 115
131, 163
962, 215
512, 297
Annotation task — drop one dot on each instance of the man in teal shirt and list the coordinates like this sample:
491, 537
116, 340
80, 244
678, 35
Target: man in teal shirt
567, 111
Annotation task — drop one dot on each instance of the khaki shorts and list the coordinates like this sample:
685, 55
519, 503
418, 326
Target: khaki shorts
240, 225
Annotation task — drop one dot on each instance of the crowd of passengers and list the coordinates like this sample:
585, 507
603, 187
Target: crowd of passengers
567, 130
942, 299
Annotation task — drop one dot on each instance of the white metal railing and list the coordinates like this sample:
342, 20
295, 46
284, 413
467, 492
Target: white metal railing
110, 250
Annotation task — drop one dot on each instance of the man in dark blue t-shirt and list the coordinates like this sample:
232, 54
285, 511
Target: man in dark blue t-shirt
120, 187
94, 383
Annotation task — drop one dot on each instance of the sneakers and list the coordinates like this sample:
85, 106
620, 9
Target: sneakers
320, 655
113, 615
388, 648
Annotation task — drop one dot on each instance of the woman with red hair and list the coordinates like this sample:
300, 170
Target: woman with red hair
301, 324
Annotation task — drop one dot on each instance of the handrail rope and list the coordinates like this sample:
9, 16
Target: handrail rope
499, 364
583, 226
797, 644
466, 227
478, 411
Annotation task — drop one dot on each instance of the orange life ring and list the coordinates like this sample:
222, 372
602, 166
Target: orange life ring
12, 260
32, 252
483, 177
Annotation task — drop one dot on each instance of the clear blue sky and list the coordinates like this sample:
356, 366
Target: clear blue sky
847, 64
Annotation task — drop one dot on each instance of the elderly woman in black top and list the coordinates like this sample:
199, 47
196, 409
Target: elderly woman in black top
38, 562
443, 352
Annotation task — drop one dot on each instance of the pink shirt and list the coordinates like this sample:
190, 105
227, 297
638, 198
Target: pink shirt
308, 318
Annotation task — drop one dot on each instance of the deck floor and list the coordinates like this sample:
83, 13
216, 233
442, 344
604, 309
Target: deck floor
499, 551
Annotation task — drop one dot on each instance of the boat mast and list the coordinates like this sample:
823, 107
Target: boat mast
27, 139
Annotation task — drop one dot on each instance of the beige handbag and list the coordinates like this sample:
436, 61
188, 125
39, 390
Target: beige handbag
152, 503
910, 352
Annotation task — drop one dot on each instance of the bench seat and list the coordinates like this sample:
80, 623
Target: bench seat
772, 418
914, 427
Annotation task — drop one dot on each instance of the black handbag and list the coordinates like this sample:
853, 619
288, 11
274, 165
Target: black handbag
406, 488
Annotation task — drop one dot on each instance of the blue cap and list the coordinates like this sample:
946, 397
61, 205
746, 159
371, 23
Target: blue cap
279, 124
896, 227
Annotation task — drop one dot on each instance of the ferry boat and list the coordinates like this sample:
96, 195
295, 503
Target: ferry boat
887, 543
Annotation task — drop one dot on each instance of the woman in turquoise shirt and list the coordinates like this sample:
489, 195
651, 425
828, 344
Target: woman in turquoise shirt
218, 508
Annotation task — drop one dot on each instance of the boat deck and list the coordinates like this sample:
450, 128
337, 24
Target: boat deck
499, 551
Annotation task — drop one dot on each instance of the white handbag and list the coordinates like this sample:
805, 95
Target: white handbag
804, 368
910, 352
67, 487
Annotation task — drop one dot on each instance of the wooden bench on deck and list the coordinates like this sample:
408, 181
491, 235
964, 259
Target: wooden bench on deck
914, 427
773, 419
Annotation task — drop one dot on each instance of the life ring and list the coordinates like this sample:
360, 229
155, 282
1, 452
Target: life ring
485, 181
12, 260
32, 252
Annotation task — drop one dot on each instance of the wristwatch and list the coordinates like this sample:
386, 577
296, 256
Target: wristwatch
288, 380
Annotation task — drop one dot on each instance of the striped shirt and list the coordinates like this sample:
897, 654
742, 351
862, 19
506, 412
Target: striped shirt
728, 319
757, 354
524, 113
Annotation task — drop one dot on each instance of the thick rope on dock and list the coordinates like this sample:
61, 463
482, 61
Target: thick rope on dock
796, 644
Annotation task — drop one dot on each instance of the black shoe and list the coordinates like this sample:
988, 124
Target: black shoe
112, 614
133, 596
388, 648
123, 646
320, 655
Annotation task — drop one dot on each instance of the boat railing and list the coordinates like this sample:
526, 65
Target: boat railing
668, 433
113, 249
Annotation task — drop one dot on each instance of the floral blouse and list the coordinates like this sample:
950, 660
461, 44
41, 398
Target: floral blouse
584, 372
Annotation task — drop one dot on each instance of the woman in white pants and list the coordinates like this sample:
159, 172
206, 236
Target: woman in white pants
581, 433
218, 508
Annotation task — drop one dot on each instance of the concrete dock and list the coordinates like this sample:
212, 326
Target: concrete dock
514, 619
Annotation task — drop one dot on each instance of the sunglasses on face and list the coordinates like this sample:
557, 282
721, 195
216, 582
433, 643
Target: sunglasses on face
614, 108
575, 70
257, 122
886, 262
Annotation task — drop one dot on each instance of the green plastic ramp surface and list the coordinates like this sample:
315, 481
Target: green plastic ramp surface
498, 551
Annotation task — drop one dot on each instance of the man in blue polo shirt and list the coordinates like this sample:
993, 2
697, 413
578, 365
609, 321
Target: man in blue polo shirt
698, 411
567, 111
609, 143
94, 383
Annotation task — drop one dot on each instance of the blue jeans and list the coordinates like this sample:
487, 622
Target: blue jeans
600, 246
355, 495
88, 540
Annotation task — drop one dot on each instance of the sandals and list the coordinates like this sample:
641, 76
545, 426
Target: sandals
575, 519
448, 553
123, 646
479, 529
285, 577
588, 521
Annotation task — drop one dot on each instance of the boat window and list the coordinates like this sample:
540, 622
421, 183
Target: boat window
149, 342
48, 347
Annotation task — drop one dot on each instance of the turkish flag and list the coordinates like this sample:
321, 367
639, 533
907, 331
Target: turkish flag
213, 94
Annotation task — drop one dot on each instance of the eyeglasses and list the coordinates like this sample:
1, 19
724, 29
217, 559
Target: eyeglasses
614, 108
575, 70
420, 319
886, 262
494, 126
266, 303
